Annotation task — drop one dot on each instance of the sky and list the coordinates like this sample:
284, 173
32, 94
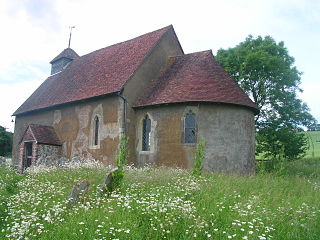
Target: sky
33, 32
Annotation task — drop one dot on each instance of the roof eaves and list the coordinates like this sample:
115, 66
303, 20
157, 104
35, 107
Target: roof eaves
30, 126
24, 133
255, 110
66, 103
51, 144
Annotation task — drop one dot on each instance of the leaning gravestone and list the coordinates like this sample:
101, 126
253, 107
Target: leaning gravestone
78, 192
2, 160
108, 183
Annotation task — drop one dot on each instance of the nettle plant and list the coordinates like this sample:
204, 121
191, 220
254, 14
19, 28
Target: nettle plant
199, 157
121, 161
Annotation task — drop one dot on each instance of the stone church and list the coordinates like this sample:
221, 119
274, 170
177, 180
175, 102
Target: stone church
146, 88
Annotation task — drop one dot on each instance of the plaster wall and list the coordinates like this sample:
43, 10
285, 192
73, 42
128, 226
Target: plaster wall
228, 130
150, 68
73, 125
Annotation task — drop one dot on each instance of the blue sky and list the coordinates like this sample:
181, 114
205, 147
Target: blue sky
33, 32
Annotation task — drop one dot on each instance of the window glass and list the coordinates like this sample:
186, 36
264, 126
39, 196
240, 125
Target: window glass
190, 128
146, 133
96, 131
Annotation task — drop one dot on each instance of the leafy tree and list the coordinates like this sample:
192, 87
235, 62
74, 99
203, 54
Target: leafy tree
5, 142
266, 72
280, 142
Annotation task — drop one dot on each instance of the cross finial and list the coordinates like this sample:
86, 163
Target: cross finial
70, 35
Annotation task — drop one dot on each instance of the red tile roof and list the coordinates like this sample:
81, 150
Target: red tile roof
195, 77
42, 134
98, 73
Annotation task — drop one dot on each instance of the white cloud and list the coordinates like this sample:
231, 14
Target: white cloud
11, 97
310, 95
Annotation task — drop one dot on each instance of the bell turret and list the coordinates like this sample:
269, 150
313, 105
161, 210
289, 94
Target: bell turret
61, 61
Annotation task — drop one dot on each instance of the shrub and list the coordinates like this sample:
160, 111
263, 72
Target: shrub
121, 160
5, 142
199, 157
280, 142
123, 153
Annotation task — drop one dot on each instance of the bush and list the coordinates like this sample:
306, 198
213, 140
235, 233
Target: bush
5, 142
199, 157
121, 161
281, 142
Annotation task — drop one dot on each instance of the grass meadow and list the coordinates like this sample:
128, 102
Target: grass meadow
314, 145
162, 203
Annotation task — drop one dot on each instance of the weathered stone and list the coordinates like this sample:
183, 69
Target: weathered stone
52, 161
107, 185
78, 192
62, 161
2, 160
77, 159
49, 150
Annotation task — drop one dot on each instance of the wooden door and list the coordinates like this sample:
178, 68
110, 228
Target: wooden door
28, 155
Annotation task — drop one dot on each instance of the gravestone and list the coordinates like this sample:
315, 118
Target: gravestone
2, 160
108, 183
78, 192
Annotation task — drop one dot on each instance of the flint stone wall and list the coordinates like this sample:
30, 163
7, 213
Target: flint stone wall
48, 153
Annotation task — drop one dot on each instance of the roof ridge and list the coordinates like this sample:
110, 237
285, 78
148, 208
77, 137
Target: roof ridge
115, 44
193, 53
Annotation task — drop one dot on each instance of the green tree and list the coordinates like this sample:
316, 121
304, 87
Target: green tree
279, 142
266, 72
5, 142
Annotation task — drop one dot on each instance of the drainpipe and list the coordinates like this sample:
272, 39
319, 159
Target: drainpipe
124, 120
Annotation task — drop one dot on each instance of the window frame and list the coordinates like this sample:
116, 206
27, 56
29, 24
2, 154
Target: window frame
96, 140
187, 128
95, 133
146, 134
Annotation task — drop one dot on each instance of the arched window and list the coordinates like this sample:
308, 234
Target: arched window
96, 131
146, 131
190, 128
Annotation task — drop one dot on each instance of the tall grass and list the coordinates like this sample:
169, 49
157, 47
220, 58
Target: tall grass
313, 153
164, 203
8, 186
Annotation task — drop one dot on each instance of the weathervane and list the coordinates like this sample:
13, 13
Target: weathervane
70, 35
